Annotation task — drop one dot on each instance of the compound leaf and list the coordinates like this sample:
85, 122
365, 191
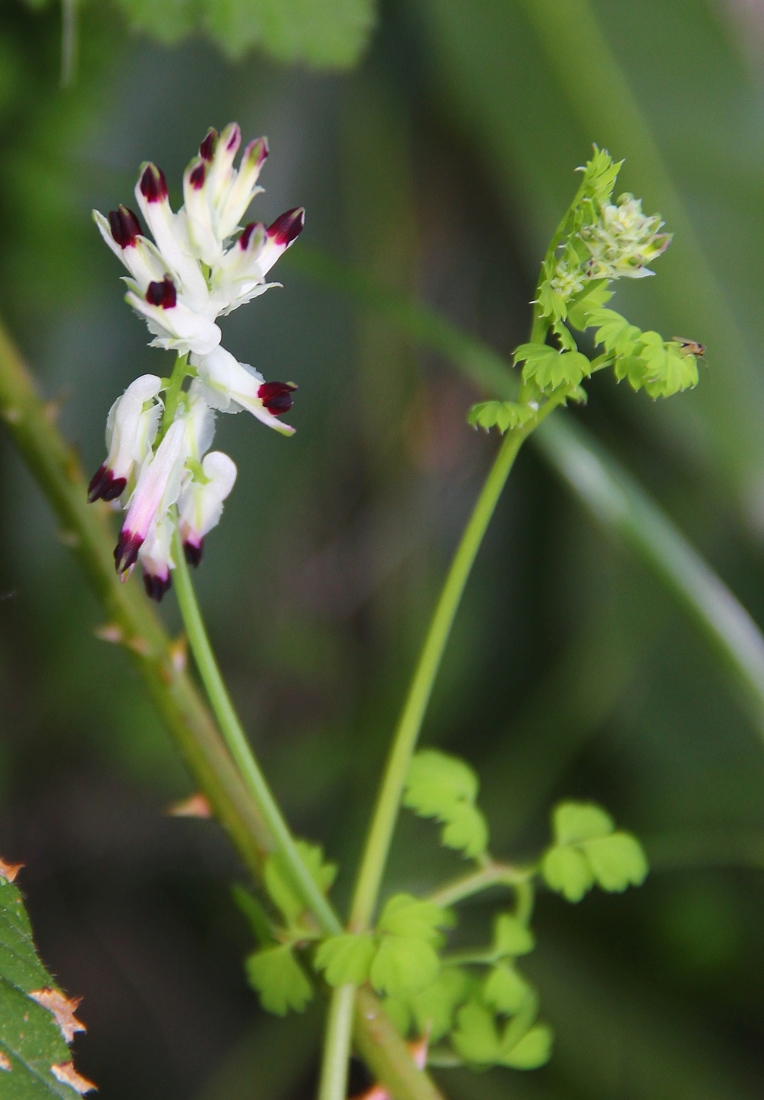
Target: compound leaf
617, 861
506, 990
531, 1051
346, 958
466, 830
279, 979
511, 936
403, 964
405, 915
567, 871
436, 781
280, 886
475, 1037
576, 821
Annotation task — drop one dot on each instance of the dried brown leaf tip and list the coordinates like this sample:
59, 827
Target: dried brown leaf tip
67, 1075
5, 1062
63, 1008
9, 871
195, 806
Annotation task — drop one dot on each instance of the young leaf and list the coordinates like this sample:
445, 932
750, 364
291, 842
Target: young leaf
281, 889
575, 821
433, 1008
617, 861
249, 905
444, 787
506, 990
530, 1052
279, 979
567, 871
475, 1037
511, 936
499, 414
567, 368
37, 1020
405, 915
346, 958
403, 964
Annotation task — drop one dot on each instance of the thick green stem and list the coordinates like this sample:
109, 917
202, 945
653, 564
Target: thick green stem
238, 746
410, 723
339, 1030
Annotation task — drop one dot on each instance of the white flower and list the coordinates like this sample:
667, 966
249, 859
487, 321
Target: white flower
201, 503
130, 430
623, 241
231, 386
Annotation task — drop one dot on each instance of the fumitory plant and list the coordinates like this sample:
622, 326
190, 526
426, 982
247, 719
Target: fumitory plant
404, 989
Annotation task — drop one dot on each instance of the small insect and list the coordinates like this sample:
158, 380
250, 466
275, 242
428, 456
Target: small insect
690, 347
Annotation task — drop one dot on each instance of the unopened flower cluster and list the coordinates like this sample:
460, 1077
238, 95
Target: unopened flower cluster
619, 243
202, 264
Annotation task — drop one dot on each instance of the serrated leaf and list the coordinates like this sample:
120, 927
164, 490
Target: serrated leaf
576, 821
434, 1007
580, 309
530, 1052
533, 353
566, 368
506, 990
36, 1019
499, 414
280, 886
436, 781
406, 915
475, 1037
323, 33
466, 830
567, 871
616, 861
511, 936
346, 958
403, 964
279, 979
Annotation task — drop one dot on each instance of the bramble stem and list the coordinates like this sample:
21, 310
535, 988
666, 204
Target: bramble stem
405, 738
238, 746
339, 1029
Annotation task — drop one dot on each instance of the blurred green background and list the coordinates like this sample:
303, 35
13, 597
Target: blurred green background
440, 164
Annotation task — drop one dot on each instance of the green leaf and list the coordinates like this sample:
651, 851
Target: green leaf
506, 990
280, 886
324, 33
279, 979
567, 871
249, 905
467, 830
581, 307
445, 787
405, 915
530, 1052
403, 964
346, 958
434, 1007
36, 1020
566, 368
617, 861
475, 1037
500, 414
511, 936
575, 821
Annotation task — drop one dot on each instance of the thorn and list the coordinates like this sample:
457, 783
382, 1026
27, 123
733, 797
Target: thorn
8, 871
5, 1063
67, 1075
196, 805
418, 1051
138, 645
62, 1008
179, 653
110, 632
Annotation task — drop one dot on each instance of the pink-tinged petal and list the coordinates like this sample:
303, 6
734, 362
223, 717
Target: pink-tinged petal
155, 485
207, 148
126, 550
130, 429
280, 236
156, 584
171, 237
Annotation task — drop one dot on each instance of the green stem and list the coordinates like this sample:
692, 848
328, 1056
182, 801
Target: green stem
339, 1028
407, 732
495, 874
173, 392
238, 745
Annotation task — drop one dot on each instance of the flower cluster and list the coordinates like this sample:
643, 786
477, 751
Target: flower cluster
201, 264
623, 241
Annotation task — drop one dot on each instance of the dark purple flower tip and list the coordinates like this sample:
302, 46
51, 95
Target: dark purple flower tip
162, 294
124, 226
277, 396
235, 138
207, 148
155, 585
246, 237
194, 551
257, 151
198, 176
105, 486
126, 550
287, 226
153, 184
